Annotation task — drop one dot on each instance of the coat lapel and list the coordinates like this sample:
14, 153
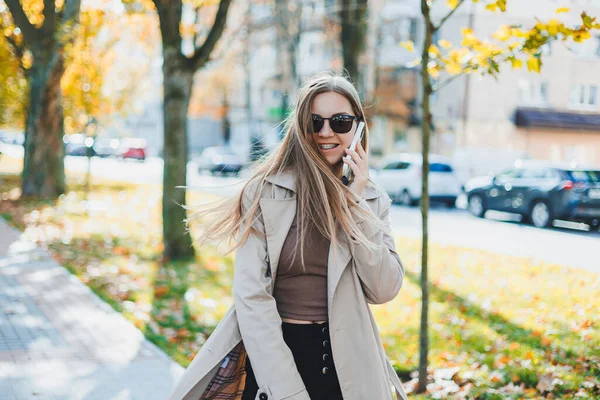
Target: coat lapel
278, 216
339, 257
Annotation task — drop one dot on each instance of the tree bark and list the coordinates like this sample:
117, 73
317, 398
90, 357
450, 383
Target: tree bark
178, 80
353, 16
43, 164
426, 134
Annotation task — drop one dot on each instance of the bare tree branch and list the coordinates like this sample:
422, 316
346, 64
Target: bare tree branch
49, 17
202, 53
443, 20
30, 32
446, 82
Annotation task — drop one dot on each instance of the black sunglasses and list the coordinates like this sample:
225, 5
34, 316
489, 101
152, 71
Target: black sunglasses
338, 123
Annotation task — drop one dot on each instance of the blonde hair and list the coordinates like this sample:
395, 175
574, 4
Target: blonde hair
322, 199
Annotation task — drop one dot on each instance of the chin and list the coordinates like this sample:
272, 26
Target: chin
334, 160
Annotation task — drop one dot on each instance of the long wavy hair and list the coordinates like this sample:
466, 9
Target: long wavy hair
322, 199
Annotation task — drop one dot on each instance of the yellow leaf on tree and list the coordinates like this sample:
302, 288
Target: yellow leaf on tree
434, 50
434, 71
446, 44
534, 64
516, 63
553, 25
492, 7
408, 45
562, 10
503, 34
452, 3
453, 68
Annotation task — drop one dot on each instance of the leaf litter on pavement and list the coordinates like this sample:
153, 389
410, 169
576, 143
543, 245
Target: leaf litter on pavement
501, 327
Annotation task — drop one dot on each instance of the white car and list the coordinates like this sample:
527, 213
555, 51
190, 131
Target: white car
219, 160
400, 177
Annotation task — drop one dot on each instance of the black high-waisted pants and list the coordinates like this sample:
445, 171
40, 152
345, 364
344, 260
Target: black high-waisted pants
311, 346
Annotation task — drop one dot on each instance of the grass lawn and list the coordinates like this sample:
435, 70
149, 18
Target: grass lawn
501, 327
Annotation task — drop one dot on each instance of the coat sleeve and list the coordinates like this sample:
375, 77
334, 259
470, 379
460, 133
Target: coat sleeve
380, 270
259, 321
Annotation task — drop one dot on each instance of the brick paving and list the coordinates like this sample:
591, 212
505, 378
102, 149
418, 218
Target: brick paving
58, 340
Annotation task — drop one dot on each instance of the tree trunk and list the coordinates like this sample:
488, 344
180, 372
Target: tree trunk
427, 90
43, 164
178, 80
226, 122
353, 16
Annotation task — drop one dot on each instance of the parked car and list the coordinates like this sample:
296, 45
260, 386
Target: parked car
105, 147
219, 160
12, 138
400, 175
133, 148
75, 145
539, 191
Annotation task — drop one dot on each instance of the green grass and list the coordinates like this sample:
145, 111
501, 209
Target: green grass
503, 321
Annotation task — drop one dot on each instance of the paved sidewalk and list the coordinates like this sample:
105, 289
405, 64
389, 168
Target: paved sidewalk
58, 340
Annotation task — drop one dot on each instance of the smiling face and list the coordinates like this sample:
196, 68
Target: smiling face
332, 144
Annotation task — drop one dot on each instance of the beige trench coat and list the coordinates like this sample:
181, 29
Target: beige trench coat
356, 276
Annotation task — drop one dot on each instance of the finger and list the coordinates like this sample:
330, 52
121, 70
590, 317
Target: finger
355, 169
361, 151
361, 162
355, 156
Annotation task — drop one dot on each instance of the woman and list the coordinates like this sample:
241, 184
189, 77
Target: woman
311, 254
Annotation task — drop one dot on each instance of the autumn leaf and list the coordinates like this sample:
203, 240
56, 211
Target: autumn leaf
503, 34
452, 3
434, 51
546, 383
160, 291
534, 64
446, 44
408, 45
562, 10
492, 7
516, 63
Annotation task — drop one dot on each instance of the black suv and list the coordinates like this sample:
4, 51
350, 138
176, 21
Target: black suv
541, 192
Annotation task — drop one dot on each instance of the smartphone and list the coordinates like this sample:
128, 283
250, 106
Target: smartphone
346, 170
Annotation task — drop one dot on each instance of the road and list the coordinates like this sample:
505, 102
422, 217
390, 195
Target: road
566, 244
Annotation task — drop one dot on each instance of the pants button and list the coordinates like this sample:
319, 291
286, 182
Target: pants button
325, 343
325, 371
326, 357
324, 330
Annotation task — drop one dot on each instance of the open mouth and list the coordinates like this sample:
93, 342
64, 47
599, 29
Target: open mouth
328, 146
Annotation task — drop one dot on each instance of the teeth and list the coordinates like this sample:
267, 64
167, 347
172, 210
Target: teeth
327, 146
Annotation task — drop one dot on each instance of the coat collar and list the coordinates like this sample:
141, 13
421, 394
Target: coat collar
287, 179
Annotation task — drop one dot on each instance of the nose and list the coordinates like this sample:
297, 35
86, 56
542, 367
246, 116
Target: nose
326, 131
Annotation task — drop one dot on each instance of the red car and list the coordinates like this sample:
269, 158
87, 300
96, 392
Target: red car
134, 148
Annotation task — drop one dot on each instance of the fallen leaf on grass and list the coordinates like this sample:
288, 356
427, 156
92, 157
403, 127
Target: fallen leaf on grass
546, 383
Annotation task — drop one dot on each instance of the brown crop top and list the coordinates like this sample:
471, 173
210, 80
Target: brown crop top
299, 294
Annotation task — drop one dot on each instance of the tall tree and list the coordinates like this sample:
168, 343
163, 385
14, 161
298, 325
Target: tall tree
288, 20
178, 79
42, 40
89, 63
353, 18
443, 62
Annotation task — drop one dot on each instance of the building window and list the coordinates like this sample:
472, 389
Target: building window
533, 93
546, 49
584, 97
590, 48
